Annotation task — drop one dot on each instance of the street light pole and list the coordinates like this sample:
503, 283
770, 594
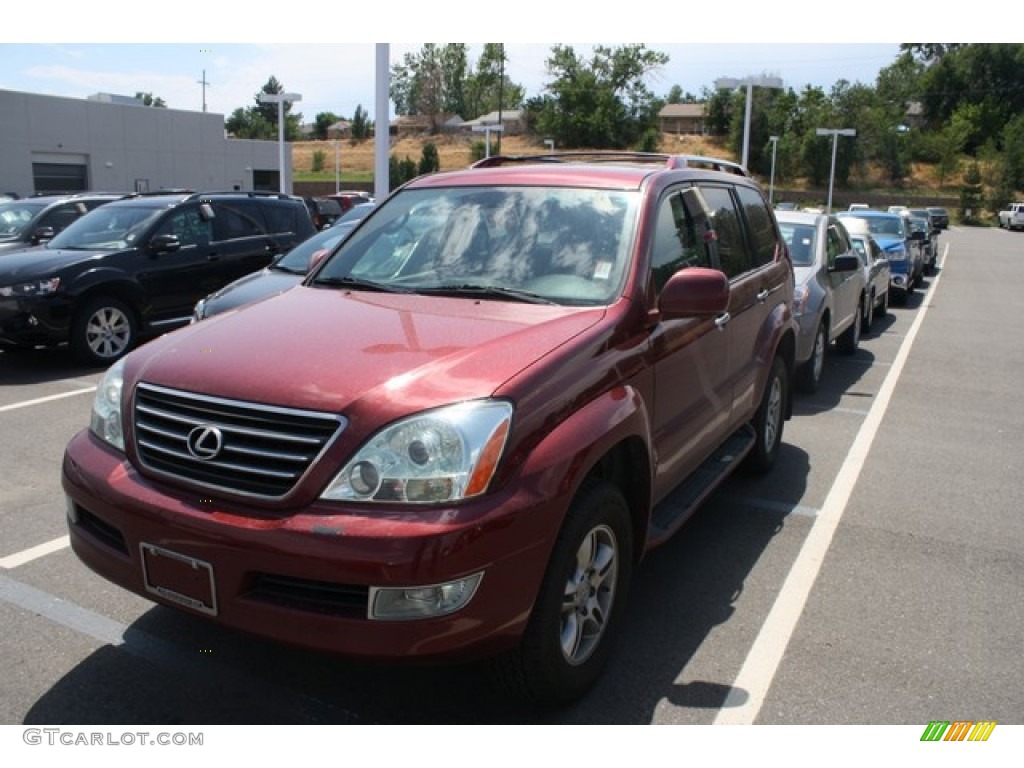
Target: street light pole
280, 99
835, 133
761, 81
771, 179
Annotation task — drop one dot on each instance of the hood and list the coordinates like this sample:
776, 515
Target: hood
328, 350
253, 287
39, 262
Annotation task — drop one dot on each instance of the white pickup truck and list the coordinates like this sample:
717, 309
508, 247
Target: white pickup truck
1013, 217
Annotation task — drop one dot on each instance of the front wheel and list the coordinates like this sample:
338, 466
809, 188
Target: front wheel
768, 421
849, 340
103, 331
809, 374
868, 314
580, 604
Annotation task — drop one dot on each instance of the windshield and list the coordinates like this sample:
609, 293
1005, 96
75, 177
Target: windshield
297, 260
888, 226
800, 239
568, 246
15, 218
107, 227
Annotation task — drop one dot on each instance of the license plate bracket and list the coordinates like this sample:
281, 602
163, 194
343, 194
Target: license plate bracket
179, 578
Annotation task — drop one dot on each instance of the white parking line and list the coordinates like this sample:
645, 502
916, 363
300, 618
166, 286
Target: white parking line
743, 704
34, 553
40, 400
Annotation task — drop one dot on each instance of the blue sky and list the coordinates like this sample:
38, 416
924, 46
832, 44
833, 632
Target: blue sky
338, 77
320, 51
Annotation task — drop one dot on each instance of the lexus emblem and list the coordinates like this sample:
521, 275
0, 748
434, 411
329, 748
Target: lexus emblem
205, 442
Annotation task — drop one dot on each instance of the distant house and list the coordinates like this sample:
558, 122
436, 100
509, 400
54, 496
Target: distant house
682, 118
419, 125
513, 120
339, 130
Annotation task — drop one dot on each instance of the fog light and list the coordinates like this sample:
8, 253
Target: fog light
395, 603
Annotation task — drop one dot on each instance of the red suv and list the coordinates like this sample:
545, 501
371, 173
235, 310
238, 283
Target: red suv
459, 436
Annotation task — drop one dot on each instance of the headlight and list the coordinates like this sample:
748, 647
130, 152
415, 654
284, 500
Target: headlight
437, 456
35, 288
105, 422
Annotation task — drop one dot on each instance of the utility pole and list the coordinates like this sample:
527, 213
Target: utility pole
204, 84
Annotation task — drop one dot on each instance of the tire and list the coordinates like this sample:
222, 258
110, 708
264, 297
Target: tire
103, 331
580, 604
809, 376
883, 309
769, 419
868, 314
848, 342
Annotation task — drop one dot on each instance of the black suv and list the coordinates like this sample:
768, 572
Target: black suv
137, 266
33, 220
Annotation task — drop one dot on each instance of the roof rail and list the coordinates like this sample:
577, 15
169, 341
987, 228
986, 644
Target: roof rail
666, 160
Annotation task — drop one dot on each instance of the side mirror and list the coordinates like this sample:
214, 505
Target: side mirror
694, 292
845, 263
42, 234
164, 244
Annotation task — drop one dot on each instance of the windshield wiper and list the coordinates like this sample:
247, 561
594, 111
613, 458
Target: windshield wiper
486, 291
289, 270
360, 284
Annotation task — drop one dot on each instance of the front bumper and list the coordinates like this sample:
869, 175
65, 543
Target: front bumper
305, 577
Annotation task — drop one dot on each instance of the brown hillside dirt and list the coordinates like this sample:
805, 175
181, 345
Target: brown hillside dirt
456, 151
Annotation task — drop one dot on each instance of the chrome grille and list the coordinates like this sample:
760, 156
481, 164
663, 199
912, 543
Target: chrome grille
247, 448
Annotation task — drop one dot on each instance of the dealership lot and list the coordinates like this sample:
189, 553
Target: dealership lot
874, 585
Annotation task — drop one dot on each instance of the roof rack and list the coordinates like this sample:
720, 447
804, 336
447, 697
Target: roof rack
665, 160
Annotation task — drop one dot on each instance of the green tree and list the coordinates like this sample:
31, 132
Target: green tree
986, 76
149, 100
260, 121
430, 82
488, 88
361, 125
602, 104
430, 161
322, 122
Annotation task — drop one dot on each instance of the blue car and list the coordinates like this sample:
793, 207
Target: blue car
898, 242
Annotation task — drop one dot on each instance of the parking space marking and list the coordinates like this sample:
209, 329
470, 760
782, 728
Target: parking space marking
48, 399
743, 704
164, 653
34, 553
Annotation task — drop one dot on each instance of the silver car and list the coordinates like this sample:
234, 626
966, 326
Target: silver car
876, 268
831, 296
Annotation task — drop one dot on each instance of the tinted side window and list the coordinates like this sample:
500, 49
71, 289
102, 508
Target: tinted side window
187, 225
59, 217
234, 221
676, 244
733, 255
761, 225
281, 218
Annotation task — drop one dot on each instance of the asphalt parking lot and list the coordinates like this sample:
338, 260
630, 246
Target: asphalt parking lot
873, 578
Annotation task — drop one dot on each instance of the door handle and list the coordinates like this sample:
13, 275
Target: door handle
762, 297
722, 320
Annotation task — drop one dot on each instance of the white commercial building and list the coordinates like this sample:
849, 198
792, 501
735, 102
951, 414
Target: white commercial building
115, 144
